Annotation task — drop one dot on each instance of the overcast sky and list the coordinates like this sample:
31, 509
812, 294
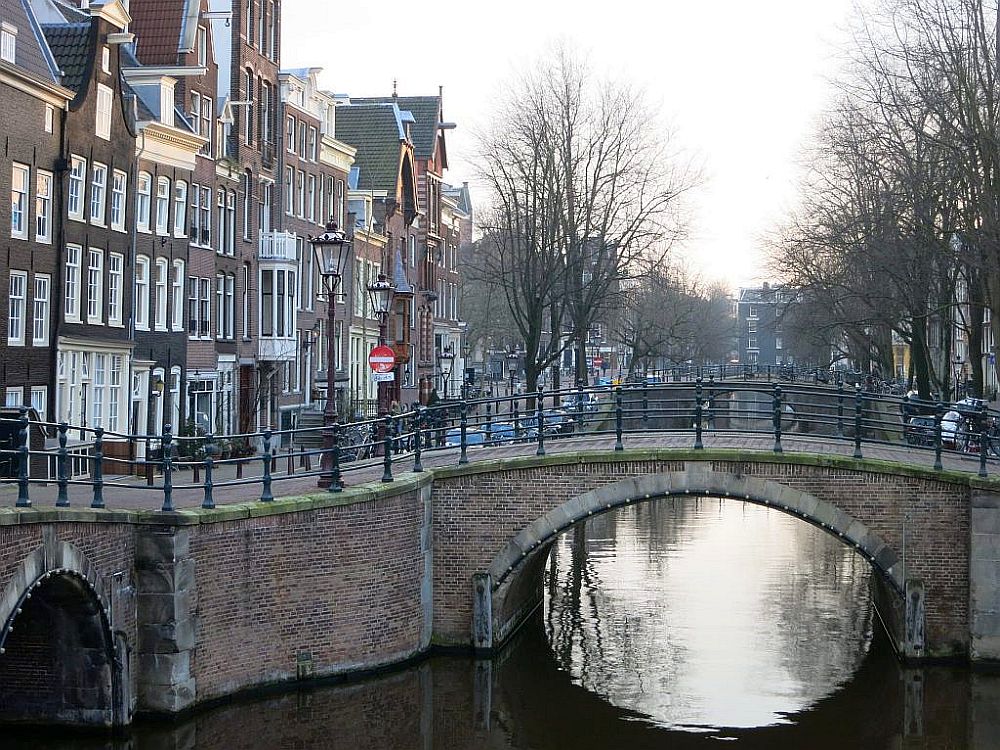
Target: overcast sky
741, 82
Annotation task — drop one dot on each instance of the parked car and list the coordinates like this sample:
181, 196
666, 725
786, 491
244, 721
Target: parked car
472, 437
580, 402
499, 433
919, 431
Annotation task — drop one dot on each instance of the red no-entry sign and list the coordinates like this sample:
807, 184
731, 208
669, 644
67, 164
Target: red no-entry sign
382, 359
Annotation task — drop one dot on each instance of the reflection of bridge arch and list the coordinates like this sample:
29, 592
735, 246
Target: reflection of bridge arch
514, 575
57, 651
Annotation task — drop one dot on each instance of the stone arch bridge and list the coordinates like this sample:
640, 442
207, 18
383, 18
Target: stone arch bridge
105, 613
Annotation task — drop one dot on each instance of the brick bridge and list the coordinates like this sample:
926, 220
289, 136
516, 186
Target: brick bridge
109, 612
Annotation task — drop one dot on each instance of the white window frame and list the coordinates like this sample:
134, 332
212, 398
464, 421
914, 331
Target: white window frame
119, 195
98, 193
76, 192
20, 185
162, 205
141, 295
13, 396
289, 191
8, 43
72, 282
116, 285
143, 201
177, 291
40, 400
50, 117
102, 126
180, 207
40, 310
160, 287
95, 286
17, 307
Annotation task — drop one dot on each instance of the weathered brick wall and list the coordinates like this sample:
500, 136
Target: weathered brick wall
476, 515
342, 584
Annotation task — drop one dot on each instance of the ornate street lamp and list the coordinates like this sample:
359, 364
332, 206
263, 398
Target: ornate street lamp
381, 291
445, 357
332, 249
512, 359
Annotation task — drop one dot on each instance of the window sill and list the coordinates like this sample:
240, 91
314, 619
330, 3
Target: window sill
118, 228
142, 230
19, 237
99, 224
78, 217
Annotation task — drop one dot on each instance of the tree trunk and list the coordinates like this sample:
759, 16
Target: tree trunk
919, 356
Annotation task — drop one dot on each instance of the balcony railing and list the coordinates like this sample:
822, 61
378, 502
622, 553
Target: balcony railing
276, 246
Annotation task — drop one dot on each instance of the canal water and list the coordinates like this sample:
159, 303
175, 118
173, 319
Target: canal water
674, 624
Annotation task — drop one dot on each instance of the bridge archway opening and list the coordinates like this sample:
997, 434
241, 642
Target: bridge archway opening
57, 655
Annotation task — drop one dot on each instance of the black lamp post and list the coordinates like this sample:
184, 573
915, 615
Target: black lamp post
446, 357
381, 292
512, 358
332, 249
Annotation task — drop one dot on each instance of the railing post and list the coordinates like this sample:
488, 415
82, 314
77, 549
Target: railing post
711, 401
858, 403
618, 419
517, 421
776, 405
166, 445
337, 484
697, 416
938, 414
387, 450
645, 402
266, 495
418, 439
98, 501
23, 500
840, 408
62, 497
540, 423
983, 441
463, 426
208, 502
579, 405
489, 424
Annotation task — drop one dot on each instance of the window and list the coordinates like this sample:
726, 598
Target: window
50, 116
17, 297
118, 182
206, 124
339, 204
248, 109
303, 143
40, 310
206, 216
178, 296
143, 190
778, 342
202, 45
220, 305
98, 188
195, 111
290, 134
97, 390
162, 204
103, 126
311, 198
160, 295
249, 34
39, 400
245, 301
19, 201
321, 202
231, 223
272, 24
300, 189
205, 303
106, 60
230, 317
289, 190
247, 196
77, 175
266, 132
8, 42
180, 207
14, 397
95, 286
116, 282
72, 283
312, 144
752, 311
142, 292
220, 213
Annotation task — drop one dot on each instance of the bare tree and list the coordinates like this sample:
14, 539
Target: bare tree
583, 185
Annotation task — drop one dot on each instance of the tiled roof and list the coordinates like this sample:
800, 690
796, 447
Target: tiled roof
375, 130
30, 54
70, 45
426, 115
157, 25
460, 195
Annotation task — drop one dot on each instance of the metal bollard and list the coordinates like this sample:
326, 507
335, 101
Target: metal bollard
62, 476
166, 445
23, 501
266, 495
98, 501
208, 502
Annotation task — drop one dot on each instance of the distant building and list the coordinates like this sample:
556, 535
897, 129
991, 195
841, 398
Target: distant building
759, 314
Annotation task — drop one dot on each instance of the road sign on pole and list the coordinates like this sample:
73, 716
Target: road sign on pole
382, 359
382, 377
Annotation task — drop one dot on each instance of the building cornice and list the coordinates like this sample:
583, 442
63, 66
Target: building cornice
48, 91
168, 145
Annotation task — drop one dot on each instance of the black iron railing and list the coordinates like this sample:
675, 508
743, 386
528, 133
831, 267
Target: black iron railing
149, 470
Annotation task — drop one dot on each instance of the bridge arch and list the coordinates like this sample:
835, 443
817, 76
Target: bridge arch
508, 591
61, 661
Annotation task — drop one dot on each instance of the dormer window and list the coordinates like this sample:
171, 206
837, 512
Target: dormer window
8, 42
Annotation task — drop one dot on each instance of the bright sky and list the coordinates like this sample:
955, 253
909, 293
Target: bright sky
741, 83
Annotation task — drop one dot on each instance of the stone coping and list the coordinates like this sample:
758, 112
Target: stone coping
409, 482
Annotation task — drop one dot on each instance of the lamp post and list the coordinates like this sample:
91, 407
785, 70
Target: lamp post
512, 357
332, 249
381, 292
446, 356
959, 371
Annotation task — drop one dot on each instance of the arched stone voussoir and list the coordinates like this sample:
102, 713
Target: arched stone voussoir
697, 479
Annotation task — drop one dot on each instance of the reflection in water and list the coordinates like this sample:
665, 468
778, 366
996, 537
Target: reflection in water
707, 613
662, 618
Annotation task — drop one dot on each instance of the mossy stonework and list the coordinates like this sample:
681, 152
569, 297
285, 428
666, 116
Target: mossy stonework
207, 603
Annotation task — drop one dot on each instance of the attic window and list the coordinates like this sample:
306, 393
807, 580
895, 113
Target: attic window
8, 42
106, 60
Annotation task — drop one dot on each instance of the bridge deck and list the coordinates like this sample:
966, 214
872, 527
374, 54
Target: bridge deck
130, 493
